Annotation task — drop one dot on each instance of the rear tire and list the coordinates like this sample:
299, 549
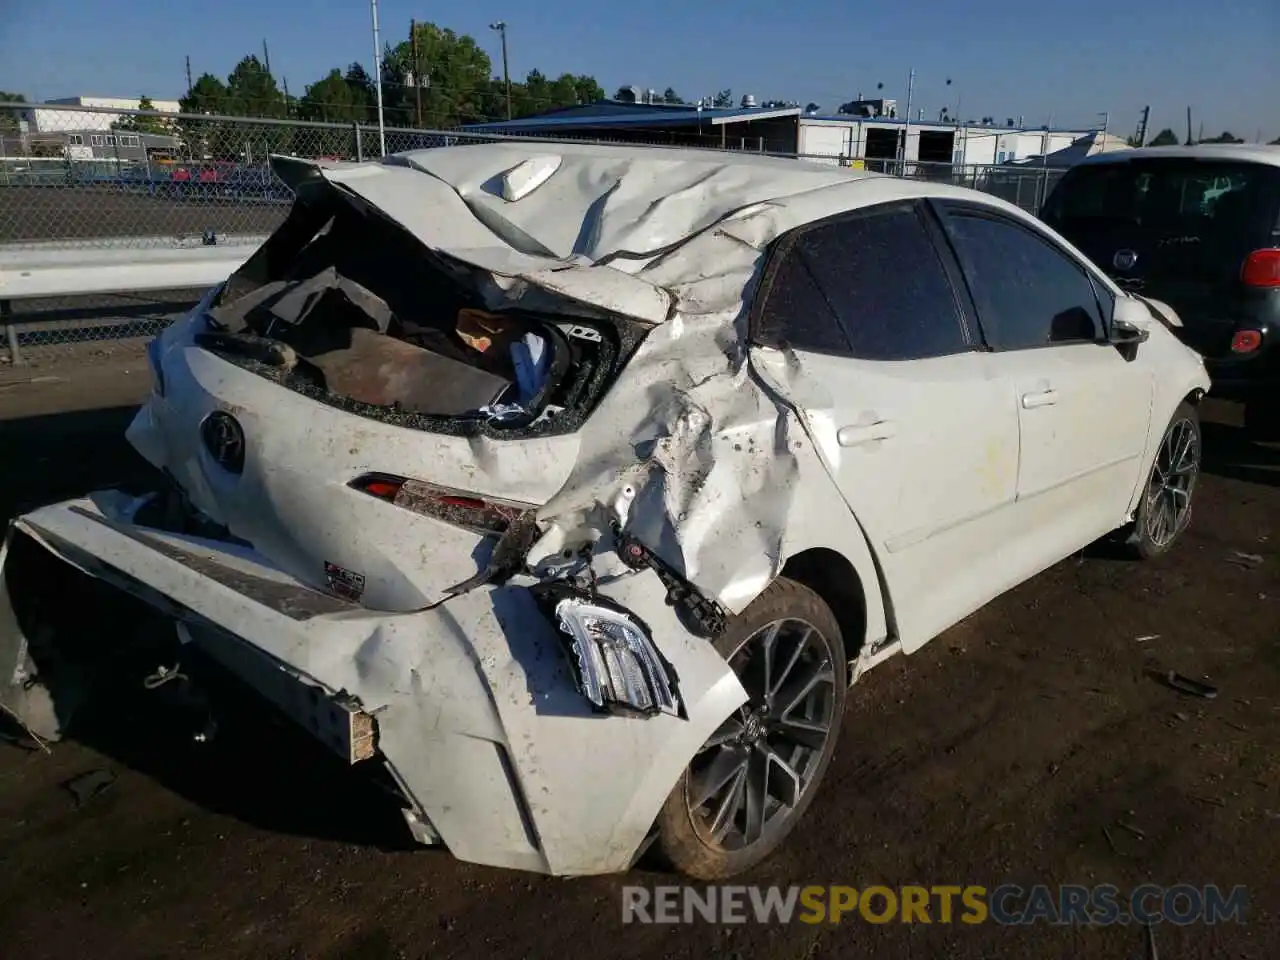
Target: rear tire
752, 781
1165, 508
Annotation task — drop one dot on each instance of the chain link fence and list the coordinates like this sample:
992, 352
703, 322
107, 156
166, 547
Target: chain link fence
99, 179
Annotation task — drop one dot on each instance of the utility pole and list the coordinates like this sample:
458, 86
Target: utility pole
188, 73
501, 27
1188, 126
417, 70
906, 126
1142, 129
285, 82
266, 55
377, 75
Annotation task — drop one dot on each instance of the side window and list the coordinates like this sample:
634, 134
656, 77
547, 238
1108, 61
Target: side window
795, 313
1027, 291
879, 284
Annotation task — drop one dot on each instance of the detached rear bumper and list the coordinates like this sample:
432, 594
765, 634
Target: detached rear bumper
471, 704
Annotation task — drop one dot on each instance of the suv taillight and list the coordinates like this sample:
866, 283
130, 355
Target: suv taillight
1262, 269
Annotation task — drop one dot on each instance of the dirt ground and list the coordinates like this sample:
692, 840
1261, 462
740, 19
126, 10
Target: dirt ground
1008, 750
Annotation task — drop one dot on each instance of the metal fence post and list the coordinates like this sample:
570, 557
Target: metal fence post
359, 145
10, 331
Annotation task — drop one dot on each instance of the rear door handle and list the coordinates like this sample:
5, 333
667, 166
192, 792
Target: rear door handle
880, 430
1046, 398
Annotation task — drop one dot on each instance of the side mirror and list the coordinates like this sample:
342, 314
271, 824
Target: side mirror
1130, 326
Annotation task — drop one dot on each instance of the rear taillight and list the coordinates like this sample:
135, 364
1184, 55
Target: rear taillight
1246, 341
1262, 269
481, 514
384, 488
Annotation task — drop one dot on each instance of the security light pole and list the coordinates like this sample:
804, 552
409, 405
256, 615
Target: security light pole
501, 27
377, 75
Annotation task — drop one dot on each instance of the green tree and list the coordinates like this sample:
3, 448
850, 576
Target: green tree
207, 95
9, 118
1224, 137
1165, 138
331, 99
1276, 142
455, 79
724, 98
145, 124
589, 91
670, 96
252, 91
201, 139
362, 91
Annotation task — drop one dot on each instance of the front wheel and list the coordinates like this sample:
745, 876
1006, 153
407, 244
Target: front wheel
1165, 509
747, 787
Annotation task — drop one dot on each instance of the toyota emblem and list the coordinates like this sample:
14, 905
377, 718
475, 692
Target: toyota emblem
1124, 259
224, 439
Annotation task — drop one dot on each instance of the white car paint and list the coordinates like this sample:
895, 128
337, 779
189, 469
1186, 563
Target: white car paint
936, 481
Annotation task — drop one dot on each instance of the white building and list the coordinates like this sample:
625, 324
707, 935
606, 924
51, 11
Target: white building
50, 119
879, 139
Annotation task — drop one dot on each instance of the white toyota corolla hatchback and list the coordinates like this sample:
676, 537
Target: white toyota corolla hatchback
574, 485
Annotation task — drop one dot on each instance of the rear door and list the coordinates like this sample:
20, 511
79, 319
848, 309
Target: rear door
859, 324
1176, 229
1083, 409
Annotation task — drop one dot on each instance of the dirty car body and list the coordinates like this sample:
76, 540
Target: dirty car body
470, 465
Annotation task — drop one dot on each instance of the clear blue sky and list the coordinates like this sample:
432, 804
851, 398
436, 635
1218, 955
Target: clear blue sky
1065, 60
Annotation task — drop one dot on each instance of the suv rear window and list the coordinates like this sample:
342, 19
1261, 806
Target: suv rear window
1182, 214
1168, 193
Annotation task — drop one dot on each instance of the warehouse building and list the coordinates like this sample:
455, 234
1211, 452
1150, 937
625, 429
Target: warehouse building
875, 141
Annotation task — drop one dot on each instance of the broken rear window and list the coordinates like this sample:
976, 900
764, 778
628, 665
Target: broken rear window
343, 304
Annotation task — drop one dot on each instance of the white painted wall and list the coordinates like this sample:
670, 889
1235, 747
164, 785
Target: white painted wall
52, 121
973, 145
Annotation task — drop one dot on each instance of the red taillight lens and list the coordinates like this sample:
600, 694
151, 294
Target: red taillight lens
1246, 341
384, 488
1262, 269
483, 515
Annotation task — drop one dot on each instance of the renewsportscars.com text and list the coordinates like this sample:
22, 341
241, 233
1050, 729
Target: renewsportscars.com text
1008, 904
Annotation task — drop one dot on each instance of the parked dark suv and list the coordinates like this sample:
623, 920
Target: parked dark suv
1199, 229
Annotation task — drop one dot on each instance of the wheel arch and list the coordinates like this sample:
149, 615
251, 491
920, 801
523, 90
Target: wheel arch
1192, 394
849, 586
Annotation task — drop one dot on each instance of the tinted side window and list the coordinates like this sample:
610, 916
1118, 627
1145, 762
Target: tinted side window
882, 279
795, 313
1028, 293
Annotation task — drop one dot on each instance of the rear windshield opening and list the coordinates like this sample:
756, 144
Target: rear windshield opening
342, 304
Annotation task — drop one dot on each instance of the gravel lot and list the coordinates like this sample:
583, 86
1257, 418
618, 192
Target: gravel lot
1006, 751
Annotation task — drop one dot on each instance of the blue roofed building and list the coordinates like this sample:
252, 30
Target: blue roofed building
740, 128
877, 139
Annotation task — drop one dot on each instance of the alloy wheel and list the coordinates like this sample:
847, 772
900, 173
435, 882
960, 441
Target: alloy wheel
1173, 478
750, 775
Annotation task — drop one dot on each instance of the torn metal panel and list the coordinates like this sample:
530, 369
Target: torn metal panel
475, 708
